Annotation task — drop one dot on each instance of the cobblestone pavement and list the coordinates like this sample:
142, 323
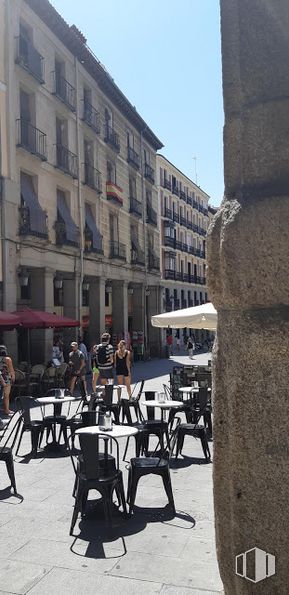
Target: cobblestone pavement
147, 554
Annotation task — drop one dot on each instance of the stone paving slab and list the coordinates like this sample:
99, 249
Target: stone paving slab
149, 553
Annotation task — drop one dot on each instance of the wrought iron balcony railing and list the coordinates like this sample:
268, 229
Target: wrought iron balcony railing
61, 235
117, 250
153, 261
183, 195
168, 306
167, 184
189, 224
152, 217
25, 226
183, 221
175, 190
64, 91
133, 157
176, 217
189, 200
170, 274
179, 276
66, 161
29, 58
149, 173
186, 278
31, 139
91, 116
169, 241
135, 206
92, 178
168, 213
177, 304
111, 137
137, 255
190, 303
88, 242
184, 304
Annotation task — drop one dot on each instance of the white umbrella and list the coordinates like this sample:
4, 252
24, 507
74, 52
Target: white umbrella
199, 317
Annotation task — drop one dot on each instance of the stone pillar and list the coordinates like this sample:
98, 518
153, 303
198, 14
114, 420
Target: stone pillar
153, 333
42, 298
119, 308
70, 308
248, 256
96, 309
138, 308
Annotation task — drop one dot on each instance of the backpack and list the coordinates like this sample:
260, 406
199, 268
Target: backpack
101, 355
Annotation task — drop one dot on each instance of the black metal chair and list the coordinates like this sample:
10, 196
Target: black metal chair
157, 427
195, 429
8, 439
127, 404
155, 465
25, 405
97, 470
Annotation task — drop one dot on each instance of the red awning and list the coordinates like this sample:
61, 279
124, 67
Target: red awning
35, 319
8, 320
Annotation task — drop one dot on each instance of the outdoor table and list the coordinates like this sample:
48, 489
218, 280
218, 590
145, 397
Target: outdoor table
165, 406
191, 390
57, 406
115, 432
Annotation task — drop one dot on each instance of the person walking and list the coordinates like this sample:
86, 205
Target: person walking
77, 367
94, 366
190, 347
170, 344
7, 377
122, 364
104, 358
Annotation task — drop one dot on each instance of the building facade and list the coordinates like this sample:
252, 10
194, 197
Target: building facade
183, 230
79, 208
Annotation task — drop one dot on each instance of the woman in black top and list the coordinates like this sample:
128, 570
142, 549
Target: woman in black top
122, 366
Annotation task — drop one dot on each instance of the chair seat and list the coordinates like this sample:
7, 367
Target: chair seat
190, 427
54, 418
146, 463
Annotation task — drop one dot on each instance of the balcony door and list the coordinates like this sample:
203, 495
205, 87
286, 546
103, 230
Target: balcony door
113, 228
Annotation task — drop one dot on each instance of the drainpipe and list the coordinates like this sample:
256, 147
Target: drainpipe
79, 192
145, 238
10, 126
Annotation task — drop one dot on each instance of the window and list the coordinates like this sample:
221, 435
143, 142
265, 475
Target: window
85, 297
107, 301
33, 217
130, 139
132, 187
25, 291
58, 296
88, 152
66, 230
61, 132
111, 172
113, 228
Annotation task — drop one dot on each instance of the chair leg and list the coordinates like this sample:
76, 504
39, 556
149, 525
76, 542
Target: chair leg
125, 450
20, 439
76, 508
10, 471
35, 433
168, 488
120, 488
205, 447
133, 490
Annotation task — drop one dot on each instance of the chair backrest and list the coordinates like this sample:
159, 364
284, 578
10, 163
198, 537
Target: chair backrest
96, 459
201, 403
10, 433
37, 370
139, 390
108, 394
49, 373
96, 399
19, 376
150, 395
89, 418
168, 392
24, 405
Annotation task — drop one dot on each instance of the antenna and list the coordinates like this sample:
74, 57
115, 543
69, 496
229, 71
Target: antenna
196, 175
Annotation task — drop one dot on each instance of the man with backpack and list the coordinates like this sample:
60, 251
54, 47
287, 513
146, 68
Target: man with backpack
104, 357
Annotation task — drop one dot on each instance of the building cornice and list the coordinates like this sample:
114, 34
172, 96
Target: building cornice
75, 43
159, 156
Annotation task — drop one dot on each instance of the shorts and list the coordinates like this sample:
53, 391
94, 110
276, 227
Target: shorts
81, 375
95, 370
106, 374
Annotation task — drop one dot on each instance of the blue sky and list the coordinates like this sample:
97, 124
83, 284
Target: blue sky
165, 56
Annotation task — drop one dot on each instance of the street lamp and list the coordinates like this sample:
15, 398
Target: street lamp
23, 277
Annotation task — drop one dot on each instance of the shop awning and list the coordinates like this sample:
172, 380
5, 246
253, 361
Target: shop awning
71, 228
96, 235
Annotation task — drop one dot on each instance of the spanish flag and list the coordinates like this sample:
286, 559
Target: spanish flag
114, 192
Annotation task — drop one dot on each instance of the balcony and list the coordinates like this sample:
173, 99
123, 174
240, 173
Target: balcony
189, 200
61, 237
197, 251
133, 157
149, 173
186, 278
88, 243
153, 261
117, 250
170, 274
168, 241
29, 58
202, 254
25, 228
135, 206
195, 204
176, 217
195, 227
66, 161
111, 138
137, 255
175, 190
183, 195
202, 231
190, 303
179, 276
184, 304
91, 116
189, 224
183, 221
178, 245
168, 306
31, 139
167, 184
177, 304
64, 91
168, 213
152, 217
92, 178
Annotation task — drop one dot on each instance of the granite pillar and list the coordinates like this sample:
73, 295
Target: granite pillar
248, 256
42, 298
96, 309
120, 308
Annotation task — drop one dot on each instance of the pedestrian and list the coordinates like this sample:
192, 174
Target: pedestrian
170, 344
122, 364
7, 377
95, 370
104, 357
190, 347
77, 368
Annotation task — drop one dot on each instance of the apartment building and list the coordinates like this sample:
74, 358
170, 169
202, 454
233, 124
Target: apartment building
79, 209
183, 230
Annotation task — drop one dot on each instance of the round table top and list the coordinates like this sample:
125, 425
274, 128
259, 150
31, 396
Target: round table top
54, 400
166, 405
191, 389
115, 432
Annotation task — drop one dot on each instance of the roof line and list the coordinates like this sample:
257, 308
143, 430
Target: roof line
182, 173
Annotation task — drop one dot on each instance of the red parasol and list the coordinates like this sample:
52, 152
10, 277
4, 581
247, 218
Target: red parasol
8, 320
36, 319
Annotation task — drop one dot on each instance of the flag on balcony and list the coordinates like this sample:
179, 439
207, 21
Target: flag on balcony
114, 192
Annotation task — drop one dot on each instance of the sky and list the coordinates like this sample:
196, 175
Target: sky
165, 57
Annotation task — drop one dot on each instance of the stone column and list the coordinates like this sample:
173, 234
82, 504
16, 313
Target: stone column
42, 298
138, 308
96, 309
119, 308
70, 308
248, 256
153, 333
